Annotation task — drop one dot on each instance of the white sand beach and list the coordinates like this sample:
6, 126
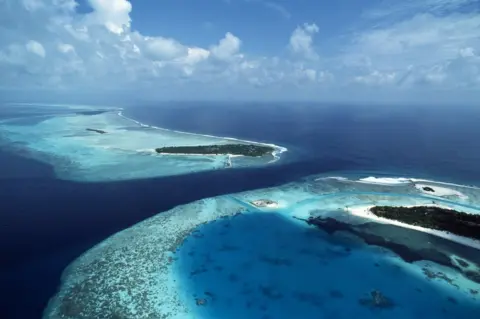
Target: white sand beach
195, 154
385, 180
364, 211
265, 203
439, 191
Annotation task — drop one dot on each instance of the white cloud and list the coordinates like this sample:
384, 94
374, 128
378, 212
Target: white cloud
301, 40
278, 8
227, 48
32, 5
421, 51
65, 48
467, 52
376, 78
47, 44
163, 49
310, 74
459, 73
65, 5
392, 9
79, 32
271, 5
422, 39
113, 14
35, 48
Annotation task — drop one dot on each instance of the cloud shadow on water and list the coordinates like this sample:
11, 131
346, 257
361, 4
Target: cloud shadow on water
266, 266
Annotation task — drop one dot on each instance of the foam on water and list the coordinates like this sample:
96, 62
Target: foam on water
225, 258
127, 151
397, 181
445, 190
276, 154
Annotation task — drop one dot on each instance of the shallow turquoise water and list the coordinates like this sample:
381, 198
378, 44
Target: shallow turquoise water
222, 257
125, 152
266, 266
353, 142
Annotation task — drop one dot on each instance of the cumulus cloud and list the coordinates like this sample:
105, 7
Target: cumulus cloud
160, 48
462, 72
65, 48
98, 46
32, 5
376, 78
419, 51
35, 48
227, 48
113, 14
422, 39
48, 44
301, 40
467, 52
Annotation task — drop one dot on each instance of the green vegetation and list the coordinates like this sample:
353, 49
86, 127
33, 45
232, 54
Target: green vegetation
449, 220
233, 149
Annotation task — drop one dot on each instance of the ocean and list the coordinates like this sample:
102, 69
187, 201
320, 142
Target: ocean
49, 222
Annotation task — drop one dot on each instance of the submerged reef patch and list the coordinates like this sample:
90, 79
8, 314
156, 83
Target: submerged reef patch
225, 257
123, 149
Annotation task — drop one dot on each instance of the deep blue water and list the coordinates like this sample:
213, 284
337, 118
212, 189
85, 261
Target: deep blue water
47, 222
430, 141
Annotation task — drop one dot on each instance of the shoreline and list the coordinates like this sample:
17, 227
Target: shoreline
393, 181
439, 191
195, 154
152, 151
278, 149
364, 212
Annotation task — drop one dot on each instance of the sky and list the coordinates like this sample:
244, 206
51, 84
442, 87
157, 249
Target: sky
387, 51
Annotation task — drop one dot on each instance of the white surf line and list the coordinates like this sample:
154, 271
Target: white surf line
338, 178
229, 160
414, 180
279, 149
384, 180
191, 154
406, 180
393, 181
439, 191
389, 181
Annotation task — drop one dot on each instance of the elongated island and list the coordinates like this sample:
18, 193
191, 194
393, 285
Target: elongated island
226, 149
178, 263
433, 217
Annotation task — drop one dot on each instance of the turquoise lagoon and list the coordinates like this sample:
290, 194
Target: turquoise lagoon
57, 135
223, 257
